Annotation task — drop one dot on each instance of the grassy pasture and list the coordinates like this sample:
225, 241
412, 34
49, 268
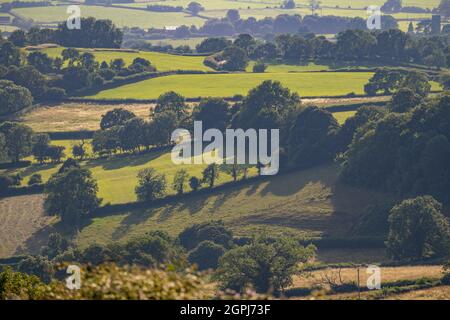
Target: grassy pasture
307, 203
344, 115
261, 13
120, 16
162, 61
211, 4
117, 176
191, 42
226, 85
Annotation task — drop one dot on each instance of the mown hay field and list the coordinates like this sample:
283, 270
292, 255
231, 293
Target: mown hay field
227, 85
76, 116
20, 218
86, 116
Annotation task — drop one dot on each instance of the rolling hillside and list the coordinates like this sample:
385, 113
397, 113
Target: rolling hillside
307, 203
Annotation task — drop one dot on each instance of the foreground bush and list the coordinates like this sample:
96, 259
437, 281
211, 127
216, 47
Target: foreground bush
267, 265
206, 255
17, 285
112, 282
109, 282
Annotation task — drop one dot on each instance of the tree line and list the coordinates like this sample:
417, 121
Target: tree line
358, 46
41, 78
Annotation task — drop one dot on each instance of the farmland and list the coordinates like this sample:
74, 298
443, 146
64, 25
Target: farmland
75, 116
308, 203
86, 116
120, 16
20, 218
402, 278
117, 177
135, 15
162, 61
353, 189
227, 85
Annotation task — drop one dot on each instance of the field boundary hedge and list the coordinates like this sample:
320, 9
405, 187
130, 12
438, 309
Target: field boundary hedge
15, 165
22, 191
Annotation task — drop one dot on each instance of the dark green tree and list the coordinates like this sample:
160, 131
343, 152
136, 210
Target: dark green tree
418, 230
171, 101
18, 139
213, 112
266, 265
13, 97
206, 255
179, 180
151, 185
115, 117
210, 174
71, 195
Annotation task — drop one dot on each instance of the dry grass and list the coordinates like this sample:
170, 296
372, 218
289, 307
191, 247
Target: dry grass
359, 256
22, 224
388, 274
76, 116
86, 116
436, 293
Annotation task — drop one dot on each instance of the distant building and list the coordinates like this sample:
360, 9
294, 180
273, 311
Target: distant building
436, 24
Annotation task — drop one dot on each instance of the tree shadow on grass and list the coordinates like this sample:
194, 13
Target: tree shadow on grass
291, 183
122, 161
39, 239
35, 168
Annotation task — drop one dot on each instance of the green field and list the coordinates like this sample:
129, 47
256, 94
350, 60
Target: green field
307, 203
117, 177
227, 85
162, 61
210, 4
134, 16
342, 116
120, 16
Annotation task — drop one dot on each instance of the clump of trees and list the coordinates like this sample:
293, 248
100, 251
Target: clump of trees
151, 185
403, 153
266, 265
71, 194
206, 243
17, 140
43, 151
388, 81
13, 97
93, 34
418, 230
352, 45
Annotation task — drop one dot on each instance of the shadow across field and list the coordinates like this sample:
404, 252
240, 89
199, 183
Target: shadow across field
308, 203
122, 161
